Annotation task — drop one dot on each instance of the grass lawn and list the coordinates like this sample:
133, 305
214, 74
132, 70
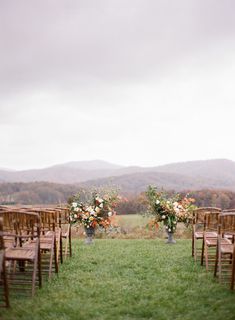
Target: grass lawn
128, 279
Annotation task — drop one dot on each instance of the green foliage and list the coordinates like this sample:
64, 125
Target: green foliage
169, 210
128, 280
36, 193
132, 205
223, 199
97, 212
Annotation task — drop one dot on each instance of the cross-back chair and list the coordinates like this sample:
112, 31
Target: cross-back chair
225, 254
66, 232
48, 244
210, 235
198, 229
24, 266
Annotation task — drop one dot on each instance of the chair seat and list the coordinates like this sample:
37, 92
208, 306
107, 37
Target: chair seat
211, 242
49, 234
9, 242
46, 245
22, 253
198, 234
229, 236
65, 234
211, 234
226, 246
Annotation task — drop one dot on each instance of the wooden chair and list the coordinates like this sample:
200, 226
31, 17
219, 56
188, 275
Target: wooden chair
10, 226
48, 241
48, 244
225, 255
198, 229
65, 227
3, 275
24, 258
210, 235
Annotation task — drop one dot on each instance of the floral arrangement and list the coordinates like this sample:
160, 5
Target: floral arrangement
169, 210
99, 212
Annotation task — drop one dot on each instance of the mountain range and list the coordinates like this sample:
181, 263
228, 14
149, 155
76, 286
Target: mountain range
192, 175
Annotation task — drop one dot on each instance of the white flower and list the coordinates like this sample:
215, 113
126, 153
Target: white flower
97, 209
157, 201
75, 216
169, 229
76, 209
74, 204
163, 217
110, 213
101, 205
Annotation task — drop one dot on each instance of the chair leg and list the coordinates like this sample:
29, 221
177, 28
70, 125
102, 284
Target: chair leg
61, 248
233, 273
195, 249
55, 256
5, 285
39, 269
50, 261
202, 254
66, 247
70, 242
206, 256
216, 262
35, 264
220, 266
192, 244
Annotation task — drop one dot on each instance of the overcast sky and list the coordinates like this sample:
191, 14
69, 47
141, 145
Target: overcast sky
134, 82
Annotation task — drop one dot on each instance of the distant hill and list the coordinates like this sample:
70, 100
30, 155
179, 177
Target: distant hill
90, 165
138, 182
193, 175
68, 173
218, 169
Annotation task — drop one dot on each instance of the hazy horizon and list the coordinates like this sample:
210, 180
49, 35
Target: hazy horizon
112, 163
132, 82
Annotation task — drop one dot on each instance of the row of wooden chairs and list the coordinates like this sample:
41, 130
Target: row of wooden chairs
213, 241
34, 242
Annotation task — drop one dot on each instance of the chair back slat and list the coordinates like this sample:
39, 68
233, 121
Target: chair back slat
199, 213
211, 220
227, 222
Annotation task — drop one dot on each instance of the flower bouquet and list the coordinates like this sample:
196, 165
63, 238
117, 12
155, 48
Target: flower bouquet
98, 212
169, 210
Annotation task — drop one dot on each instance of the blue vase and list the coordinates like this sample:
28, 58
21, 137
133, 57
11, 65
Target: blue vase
170, 238
90, 232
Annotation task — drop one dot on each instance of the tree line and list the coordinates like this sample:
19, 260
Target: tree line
52, 193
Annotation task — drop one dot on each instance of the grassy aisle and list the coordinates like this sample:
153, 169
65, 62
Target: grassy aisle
128, 279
